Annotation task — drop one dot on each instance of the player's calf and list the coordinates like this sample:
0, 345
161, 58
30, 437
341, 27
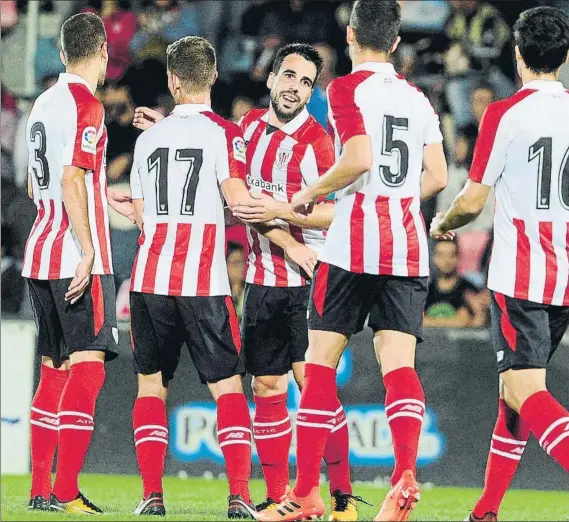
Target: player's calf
234, 433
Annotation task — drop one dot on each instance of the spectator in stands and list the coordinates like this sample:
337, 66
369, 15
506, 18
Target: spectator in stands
8, 15
12, 282
160, 23
120, 24
240, 106
8, 121
478, 47
119, 111
482, 96
318, 104
236, 271
447, 302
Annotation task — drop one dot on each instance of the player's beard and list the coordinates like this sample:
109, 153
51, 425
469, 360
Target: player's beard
285, 115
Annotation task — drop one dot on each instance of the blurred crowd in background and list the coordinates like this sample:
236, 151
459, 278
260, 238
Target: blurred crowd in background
458, 52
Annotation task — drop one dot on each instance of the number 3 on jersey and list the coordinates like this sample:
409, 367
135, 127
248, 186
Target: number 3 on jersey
41, 168
158, 161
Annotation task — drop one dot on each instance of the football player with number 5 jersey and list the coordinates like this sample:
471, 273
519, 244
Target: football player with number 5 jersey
375, 258
180, 288
523, 151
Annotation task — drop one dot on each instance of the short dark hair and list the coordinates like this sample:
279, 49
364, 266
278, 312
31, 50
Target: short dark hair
308, 52
542, 35
192, 59
376, 23
82, 36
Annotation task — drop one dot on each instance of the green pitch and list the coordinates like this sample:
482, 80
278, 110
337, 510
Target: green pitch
200, 499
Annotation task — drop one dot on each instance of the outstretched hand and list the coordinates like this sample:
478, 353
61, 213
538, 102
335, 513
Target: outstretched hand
144, 117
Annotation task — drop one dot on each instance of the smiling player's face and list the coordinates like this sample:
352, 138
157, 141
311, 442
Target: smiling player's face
292, 86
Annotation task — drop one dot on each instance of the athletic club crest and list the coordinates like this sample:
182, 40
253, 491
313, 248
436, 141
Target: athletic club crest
283, 158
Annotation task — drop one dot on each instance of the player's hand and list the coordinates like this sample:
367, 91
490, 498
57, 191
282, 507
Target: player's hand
122, 203
81, 280
304, 257
303, 202
144, 117
261, 209
437, 233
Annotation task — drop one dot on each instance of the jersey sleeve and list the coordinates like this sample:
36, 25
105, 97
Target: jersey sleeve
343, 112
491, 147
135, 181
432, 126
230, 161
85, 132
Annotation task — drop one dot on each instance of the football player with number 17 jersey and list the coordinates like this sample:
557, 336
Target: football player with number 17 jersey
179, 286
523, 151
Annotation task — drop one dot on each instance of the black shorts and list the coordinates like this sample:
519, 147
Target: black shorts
274, 328
525, 334
341, 301
63, 328
160, 324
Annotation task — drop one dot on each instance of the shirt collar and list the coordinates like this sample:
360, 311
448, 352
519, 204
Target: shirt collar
185, 109
75, 78
379, 67
293, 125
544, 85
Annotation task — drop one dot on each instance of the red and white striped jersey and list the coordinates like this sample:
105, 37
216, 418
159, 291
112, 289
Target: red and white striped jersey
281, 162
66, 128
523, 150
378, 228
179, 166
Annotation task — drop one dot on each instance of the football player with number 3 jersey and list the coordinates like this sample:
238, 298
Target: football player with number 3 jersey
375, 258
67, 263
523, 151
179, 286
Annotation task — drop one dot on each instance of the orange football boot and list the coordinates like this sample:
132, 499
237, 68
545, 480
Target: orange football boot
401, 499
292, 507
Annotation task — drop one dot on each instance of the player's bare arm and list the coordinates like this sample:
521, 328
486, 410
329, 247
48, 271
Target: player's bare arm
467, 205
74, 193
30, 187
265, 208
355, 160
435, 174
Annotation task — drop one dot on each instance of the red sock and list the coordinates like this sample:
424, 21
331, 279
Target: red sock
234, 436
76, 410
337, 453
315, 418
150, 440
506, 448
549, 422
404, 407
43, 424
273, 434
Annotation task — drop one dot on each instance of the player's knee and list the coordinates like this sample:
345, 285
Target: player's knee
325, 348
268, 385
518, 385
394, 350
298, 371
87, 356
151, 386
225, 386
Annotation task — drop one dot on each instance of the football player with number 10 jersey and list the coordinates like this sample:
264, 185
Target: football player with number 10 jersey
523, 151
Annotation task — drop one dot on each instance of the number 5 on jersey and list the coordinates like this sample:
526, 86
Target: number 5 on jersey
158, 161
